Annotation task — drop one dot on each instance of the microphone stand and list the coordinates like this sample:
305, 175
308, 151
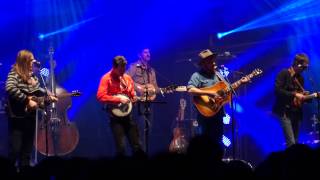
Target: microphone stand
316, 121
147, 111
36, 125
233, 94
146, 115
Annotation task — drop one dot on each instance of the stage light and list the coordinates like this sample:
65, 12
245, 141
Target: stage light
65, 29
296, 11
226, 141
224, 71
226, 119
44, 72
41, 36
219, 35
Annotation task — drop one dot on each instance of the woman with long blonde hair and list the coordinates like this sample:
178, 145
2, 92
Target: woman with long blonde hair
21, 83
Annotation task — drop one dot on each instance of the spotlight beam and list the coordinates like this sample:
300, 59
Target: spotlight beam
65, 29
302, 9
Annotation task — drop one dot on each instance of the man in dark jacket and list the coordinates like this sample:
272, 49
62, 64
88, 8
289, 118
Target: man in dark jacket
290, 95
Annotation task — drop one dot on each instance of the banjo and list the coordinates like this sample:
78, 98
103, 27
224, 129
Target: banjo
120, 109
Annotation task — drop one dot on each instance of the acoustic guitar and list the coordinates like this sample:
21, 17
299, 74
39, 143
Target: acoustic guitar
43, 100
19, 109
179, 143
148, 92
208, 106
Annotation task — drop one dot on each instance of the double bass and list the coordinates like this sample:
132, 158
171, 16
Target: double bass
56, 135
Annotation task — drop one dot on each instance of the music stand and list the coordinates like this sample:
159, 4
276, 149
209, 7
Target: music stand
146, 116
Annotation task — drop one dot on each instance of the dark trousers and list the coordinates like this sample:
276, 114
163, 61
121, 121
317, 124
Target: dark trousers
290, 125
212, 126
21, 136
125, 127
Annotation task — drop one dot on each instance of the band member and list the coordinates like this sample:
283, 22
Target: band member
289, 92
21, 83
211, 126
113, 83
146, 88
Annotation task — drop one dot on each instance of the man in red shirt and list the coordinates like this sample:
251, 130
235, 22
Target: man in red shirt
112, 84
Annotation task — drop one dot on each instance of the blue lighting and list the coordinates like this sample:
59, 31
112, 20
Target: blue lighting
239, 108
219, 35
299, 10
226, 119
224, 71
226, 141
41, 36
44, 72
65, 29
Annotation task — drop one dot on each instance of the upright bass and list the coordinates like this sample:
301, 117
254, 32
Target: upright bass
57, 136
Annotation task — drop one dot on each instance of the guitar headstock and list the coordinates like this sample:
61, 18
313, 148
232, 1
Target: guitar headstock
183, 103
75, 93
169, 89
247, 78
256, 72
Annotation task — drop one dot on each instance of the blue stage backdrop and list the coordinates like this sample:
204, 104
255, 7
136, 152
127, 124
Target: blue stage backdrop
87, 34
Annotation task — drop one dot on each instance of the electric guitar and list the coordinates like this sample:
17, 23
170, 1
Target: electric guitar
298, 102
307, 96
208, 106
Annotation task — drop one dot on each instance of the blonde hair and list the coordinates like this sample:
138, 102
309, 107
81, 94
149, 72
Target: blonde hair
24, 57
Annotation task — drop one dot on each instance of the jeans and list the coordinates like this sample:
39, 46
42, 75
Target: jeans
290, 126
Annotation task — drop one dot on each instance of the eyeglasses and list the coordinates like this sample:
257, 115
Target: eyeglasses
303, 66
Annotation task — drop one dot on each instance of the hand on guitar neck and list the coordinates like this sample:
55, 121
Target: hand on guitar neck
36, 101
148, 92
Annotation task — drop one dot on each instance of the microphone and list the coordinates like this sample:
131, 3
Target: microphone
36, 63
185, 60
227, 54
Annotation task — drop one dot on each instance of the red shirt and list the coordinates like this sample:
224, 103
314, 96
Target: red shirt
110, 85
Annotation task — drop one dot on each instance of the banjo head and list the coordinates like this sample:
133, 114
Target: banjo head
122, 110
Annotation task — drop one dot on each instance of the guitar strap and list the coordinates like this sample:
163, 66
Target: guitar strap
123, 83
295, 80
298, 84
221, 78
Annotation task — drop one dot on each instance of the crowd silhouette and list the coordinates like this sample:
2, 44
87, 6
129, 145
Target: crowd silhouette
203, 160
